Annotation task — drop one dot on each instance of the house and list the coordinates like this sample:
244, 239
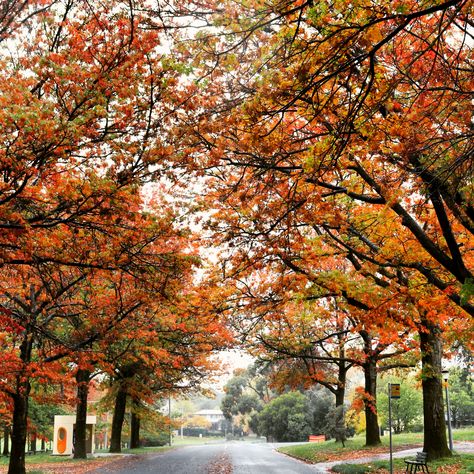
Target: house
216, 417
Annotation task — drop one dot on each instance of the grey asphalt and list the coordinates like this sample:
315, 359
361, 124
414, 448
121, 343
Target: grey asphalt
186, 460
264, 459
236, 458
224, 458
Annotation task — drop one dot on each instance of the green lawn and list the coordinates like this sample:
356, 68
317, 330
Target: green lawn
149, 449
186, 440
49, 458
38, 458
460, 463
329, 450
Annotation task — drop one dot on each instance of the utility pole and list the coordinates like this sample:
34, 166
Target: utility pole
169, 416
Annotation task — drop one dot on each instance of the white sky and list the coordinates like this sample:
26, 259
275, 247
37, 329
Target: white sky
231, 360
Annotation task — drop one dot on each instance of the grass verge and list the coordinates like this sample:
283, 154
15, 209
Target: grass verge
458, 464
355, 447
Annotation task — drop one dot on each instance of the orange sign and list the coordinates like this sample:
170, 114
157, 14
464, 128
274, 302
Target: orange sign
394, 390
62, 438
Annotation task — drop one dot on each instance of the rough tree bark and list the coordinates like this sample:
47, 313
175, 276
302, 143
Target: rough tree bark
20, 408
117, 420
6, 440
82, 379
33, 443
19, 431
435, 440
135, 431
340, 390
372, 429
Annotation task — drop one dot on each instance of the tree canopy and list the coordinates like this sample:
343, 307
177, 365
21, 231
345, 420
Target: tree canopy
294, 175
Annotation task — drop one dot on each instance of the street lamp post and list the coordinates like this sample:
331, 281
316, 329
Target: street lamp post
448, 408
169, 416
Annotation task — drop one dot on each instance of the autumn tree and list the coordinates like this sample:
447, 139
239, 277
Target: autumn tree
310, 345
165, 347
28, 306
84, 107
348, 124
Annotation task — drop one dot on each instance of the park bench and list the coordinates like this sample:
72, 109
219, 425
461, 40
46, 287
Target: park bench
416, 464
316, 438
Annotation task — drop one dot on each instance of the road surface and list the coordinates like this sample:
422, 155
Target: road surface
225, 458
237, 458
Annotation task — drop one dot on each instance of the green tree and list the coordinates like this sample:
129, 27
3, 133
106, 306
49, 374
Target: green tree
461, 395
234, 390
41, 418
337, 426
286, 418
321, 402
407, 411
245, 393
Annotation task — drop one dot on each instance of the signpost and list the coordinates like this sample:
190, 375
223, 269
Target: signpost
393, 392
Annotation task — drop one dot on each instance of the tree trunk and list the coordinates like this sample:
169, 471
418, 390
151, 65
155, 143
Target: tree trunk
43, 445
19, 429
340, 394
341, 381
20, 409
342, 365
372, 430
135, 431
117, 420
33, 446
6, 440
435, 440
82, 379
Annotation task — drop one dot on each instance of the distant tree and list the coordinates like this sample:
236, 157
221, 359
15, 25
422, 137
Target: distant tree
407, 410
233, 389
461, 394
321, 403
245, 394
198, 421
41, 418
337, 426
286, 418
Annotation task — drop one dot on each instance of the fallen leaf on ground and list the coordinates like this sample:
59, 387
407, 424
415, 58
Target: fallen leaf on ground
220, 465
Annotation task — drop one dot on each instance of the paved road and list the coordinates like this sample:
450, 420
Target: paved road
236, 458
263, 459
225, 458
